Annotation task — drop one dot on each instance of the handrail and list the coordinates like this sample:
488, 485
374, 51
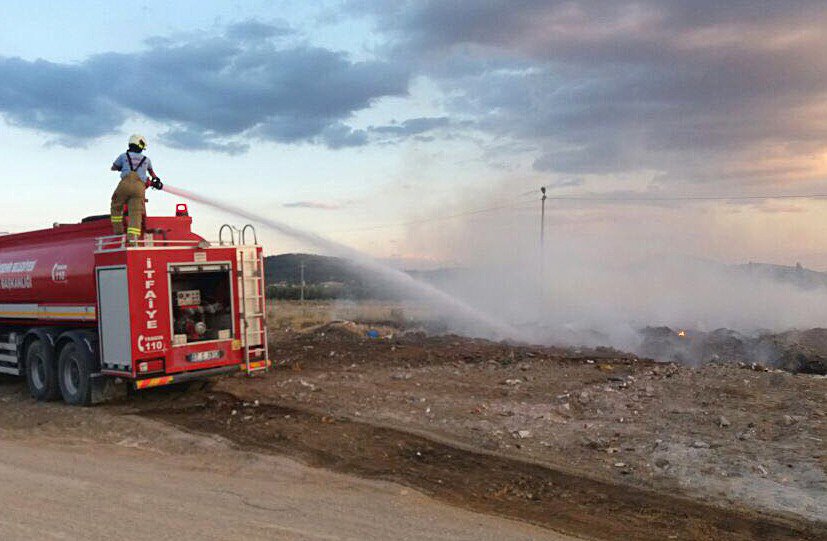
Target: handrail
244, 236
236, 233
114, 243
221, 235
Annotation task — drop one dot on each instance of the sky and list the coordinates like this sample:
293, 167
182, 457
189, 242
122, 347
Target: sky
419, 130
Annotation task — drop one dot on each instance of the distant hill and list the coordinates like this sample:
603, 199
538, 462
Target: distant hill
318, 269
286, 269
325, 278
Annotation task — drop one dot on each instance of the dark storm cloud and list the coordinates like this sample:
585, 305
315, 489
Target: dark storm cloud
206, 90
692, 88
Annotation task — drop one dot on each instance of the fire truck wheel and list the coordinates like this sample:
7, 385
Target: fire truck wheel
41, 372
74, 367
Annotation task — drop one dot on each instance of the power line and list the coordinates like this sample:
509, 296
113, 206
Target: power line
686, 197
529, 203
530, 192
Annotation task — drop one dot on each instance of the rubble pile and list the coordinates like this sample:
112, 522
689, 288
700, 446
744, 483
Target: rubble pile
794, 351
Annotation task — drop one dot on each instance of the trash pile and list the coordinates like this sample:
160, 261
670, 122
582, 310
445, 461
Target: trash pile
793, 351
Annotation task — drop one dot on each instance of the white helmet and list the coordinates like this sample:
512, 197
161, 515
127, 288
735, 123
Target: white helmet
138, 141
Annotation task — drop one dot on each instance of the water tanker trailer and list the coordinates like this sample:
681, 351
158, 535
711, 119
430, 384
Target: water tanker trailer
79, 306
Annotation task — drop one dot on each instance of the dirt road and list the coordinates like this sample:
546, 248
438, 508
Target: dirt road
95, 492
100, 474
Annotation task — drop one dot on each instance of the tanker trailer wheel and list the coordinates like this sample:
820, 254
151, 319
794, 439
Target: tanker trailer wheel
74, 369
41, 372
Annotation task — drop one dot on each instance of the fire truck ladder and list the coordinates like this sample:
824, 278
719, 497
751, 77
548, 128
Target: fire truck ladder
253, 308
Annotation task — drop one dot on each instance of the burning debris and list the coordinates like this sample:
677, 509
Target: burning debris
793, 351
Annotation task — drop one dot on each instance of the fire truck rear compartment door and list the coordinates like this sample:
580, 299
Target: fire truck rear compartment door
113, 319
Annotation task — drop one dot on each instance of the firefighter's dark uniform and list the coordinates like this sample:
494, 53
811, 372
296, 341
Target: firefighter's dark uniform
131, 191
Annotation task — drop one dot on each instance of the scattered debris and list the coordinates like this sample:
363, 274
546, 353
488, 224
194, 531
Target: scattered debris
661, 420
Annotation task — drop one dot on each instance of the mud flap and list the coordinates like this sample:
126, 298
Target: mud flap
105, 388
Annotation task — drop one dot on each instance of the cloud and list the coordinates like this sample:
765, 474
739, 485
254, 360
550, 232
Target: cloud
318, 205
55, 98
571, 182
693, 89
412, 126
681, 90
255, 30
185, 139
207, 90
341, 136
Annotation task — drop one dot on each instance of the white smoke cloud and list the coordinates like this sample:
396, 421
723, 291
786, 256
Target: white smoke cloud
605, 273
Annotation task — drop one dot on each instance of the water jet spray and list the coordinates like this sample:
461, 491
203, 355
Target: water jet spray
406, 284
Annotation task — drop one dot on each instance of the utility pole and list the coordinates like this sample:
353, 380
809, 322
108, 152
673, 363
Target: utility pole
542, 217
542, 234
301, 266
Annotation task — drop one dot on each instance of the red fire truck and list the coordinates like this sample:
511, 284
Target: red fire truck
79, 306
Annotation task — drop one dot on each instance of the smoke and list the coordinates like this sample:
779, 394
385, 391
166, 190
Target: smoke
576, 300
602, 280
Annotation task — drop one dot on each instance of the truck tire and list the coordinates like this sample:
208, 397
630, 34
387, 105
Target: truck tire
74, 369
41, 371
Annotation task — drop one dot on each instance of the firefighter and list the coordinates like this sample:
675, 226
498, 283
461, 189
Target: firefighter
133, 166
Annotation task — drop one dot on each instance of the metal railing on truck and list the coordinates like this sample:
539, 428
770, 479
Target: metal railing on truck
116, 243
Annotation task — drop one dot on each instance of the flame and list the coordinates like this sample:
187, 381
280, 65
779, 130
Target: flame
682, 333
